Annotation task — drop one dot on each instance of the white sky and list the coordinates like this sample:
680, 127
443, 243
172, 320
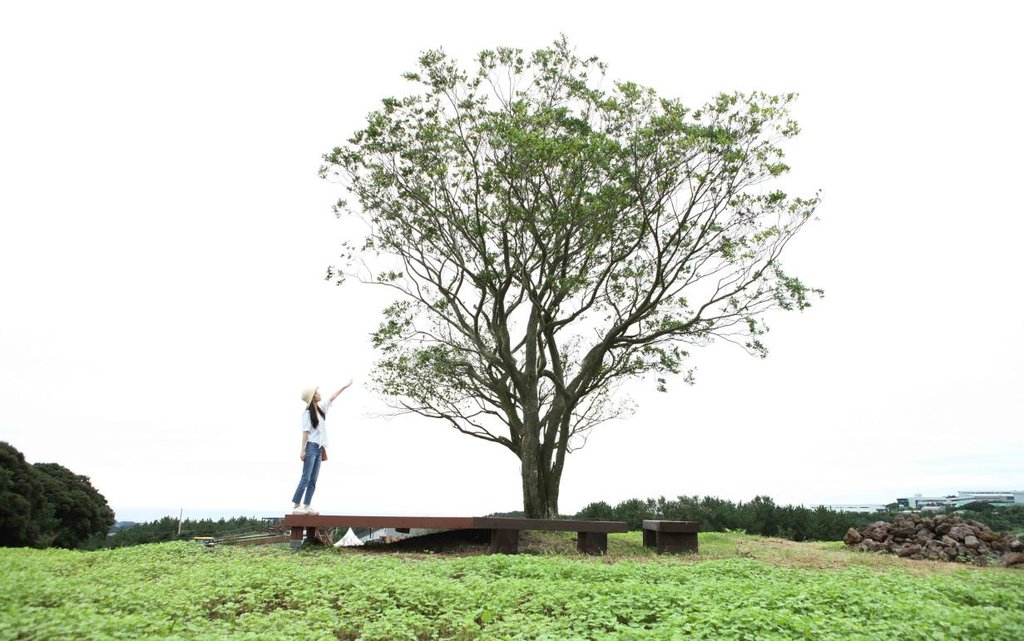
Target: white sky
164, 237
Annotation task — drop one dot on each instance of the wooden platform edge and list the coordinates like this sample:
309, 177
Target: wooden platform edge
452, 523
372, 521
591, 536
671, 526
556, 525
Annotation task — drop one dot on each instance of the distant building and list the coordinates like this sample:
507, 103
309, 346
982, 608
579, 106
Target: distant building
918, 502
962, 498
863, 507
1003, 497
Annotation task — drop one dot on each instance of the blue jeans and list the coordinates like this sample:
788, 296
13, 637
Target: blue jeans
310, 471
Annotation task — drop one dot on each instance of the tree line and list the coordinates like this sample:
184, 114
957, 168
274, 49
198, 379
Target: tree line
167, 529
46, 504
1008, 518
763, 517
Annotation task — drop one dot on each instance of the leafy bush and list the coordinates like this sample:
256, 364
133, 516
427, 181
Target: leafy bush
634, 511
47, 504
23, 509
79, 515
599, 511
1008, 518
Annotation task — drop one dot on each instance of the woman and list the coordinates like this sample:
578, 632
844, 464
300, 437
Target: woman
314, 444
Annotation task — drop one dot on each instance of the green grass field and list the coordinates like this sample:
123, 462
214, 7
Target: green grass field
738, 587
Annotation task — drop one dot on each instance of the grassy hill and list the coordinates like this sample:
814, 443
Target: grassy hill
738, 587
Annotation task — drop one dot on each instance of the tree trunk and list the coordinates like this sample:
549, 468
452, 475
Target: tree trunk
540, 486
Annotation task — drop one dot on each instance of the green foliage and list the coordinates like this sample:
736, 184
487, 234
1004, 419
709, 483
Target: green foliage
166, 529
599, 511
549, 234
763, 517
979, 506
183, 590
80, 514
1009, 518
47, 504
760, 516
23, 509
514, 514
634, 511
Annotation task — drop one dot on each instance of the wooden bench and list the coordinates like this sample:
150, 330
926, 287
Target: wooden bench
591, 536
671, 536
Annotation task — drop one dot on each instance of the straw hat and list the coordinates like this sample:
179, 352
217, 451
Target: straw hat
308, 394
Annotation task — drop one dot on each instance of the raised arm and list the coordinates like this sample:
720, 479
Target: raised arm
343, 388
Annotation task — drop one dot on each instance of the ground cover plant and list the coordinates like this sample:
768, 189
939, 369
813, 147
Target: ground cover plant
737, 587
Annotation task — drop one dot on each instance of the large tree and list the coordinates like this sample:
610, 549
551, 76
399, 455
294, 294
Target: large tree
23, 507
44, 504
550, 236
80, 514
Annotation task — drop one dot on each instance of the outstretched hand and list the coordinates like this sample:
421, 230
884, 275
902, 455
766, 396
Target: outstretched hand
343, 388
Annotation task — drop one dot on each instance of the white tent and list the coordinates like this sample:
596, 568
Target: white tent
350, 539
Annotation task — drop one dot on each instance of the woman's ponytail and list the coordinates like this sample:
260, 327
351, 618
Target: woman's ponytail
315, 414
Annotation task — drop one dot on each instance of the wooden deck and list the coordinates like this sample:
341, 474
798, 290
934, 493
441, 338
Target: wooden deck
591, 536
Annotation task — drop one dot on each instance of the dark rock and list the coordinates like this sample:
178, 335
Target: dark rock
1013, 558
910, 550
903, 528
960, 532
933, 550
940, 537
877, 531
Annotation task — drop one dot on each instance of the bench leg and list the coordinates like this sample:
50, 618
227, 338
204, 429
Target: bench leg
592, 542
650, 538
676, 542
504, 541
311, 537
295, 540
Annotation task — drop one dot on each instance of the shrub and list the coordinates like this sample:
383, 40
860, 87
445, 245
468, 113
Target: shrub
80, 516
23, 508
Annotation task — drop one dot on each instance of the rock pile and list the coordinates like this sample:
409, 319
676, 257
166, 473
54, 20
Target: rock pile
945, 537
